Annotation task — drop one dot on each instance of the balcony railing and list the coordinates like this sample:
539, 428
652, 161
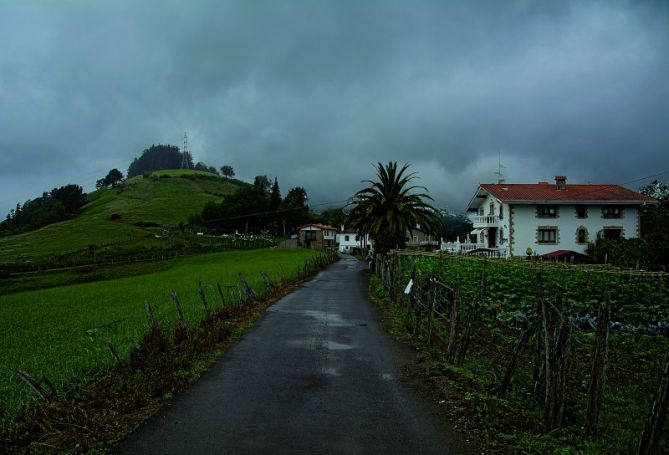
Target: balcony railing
477, 249
486, 221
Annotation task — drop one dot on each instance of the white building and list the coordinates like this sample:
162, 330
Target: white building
511, 219
349, 240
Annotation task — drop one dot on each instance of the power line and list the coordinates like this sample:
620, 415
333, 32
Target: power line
274, 212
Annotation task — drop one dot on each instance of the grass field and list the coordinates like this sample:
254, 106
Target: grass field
166, 198
62, 332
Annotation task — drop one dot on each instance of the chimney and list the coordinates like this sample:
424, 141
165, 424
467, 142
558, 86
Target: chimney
560, 182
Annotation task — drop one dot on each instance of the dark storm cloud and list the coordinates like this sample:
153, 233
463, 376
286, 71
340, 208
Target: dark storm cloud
315, 91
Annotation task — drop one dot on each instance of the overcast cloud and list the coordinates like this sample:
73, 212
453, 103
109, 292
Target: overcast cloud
314, 91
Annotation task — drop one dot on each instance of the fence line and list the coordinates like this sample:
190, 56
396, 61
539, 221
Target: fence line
438, 312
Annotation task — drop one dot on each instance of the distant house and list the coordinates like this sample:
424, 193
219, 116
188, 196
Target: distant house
511, 219
418, 238
317, 236
349, 240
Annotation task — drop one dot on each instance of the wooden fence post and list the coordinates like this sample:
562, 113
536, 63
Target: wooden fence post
268, 281
433, 306
180, 311
250, 293
113, 352
149, 313
34, 385
416, 307
203, 297
652, 431
537, 358
523, 338
598, 378
452, 331
557, 330
240, 298
220, 294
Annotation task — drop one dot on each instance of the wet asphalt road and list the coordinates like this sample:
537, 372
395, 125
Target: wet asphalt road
317, 374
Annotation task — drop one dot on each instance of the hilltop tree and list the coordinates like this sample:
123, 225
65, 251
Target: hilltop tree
388, 209
228, 171
111, 179
158, 157
200, 166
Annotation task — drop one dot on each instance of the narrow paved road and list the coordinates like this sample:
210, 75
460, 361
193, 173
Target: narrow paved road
317, 374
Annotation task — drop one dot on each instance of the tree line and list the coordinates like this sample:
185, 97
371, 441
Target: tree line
161, 157
261, 209
59, 204
257, 208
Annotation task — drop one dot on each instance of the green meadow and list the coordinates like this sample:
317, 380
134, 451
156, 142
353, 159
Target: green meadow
120, 220
61, 332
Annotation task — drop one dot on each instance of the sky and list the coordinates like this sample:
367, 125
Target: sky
316, 92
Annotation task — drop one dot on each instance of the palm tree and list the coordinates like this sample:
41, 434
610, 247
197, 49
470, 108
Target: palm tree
388, 209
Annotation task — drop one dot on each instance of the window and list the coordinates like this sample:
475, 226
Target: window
346, 238
491, 209
612, 212
547, 235
612, 233
581, 211
546, 211
581, 235
501, 212
357, 238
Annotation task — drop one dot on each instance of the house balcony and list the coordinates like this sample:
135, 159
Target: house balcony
474, 249
486, 221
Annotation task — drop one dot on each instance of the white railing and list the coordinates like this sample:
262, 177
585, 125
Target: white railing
478, 249
486, 220
496, 253
468, 247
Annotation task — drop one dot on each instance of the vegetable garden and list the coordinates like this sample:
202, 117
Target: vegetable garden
546, 374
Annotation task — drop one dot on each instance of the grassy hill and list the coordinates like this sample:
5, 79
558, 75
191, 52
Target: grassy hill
121, 219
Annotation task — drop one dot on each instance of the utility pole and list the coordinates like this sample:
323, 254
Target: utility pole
500, 166
185, 154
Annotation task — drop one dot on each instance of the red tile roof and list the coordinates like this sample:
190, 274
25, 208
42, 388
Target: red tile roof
322, 227
548, 192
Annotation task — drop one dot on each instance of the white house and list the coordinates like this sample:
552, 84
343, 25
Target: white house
418, 238
510, 218
349, 240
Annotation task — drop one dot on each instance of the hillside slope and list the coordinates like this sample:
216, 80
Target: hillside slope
122, 218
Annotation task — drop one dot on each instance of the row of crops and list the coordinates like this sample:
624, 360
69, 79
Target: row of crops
513, 287
509, 333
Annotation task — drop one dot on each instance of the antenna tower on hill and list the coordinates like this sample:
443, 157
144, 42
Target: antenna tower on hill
185, 154
500, 166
